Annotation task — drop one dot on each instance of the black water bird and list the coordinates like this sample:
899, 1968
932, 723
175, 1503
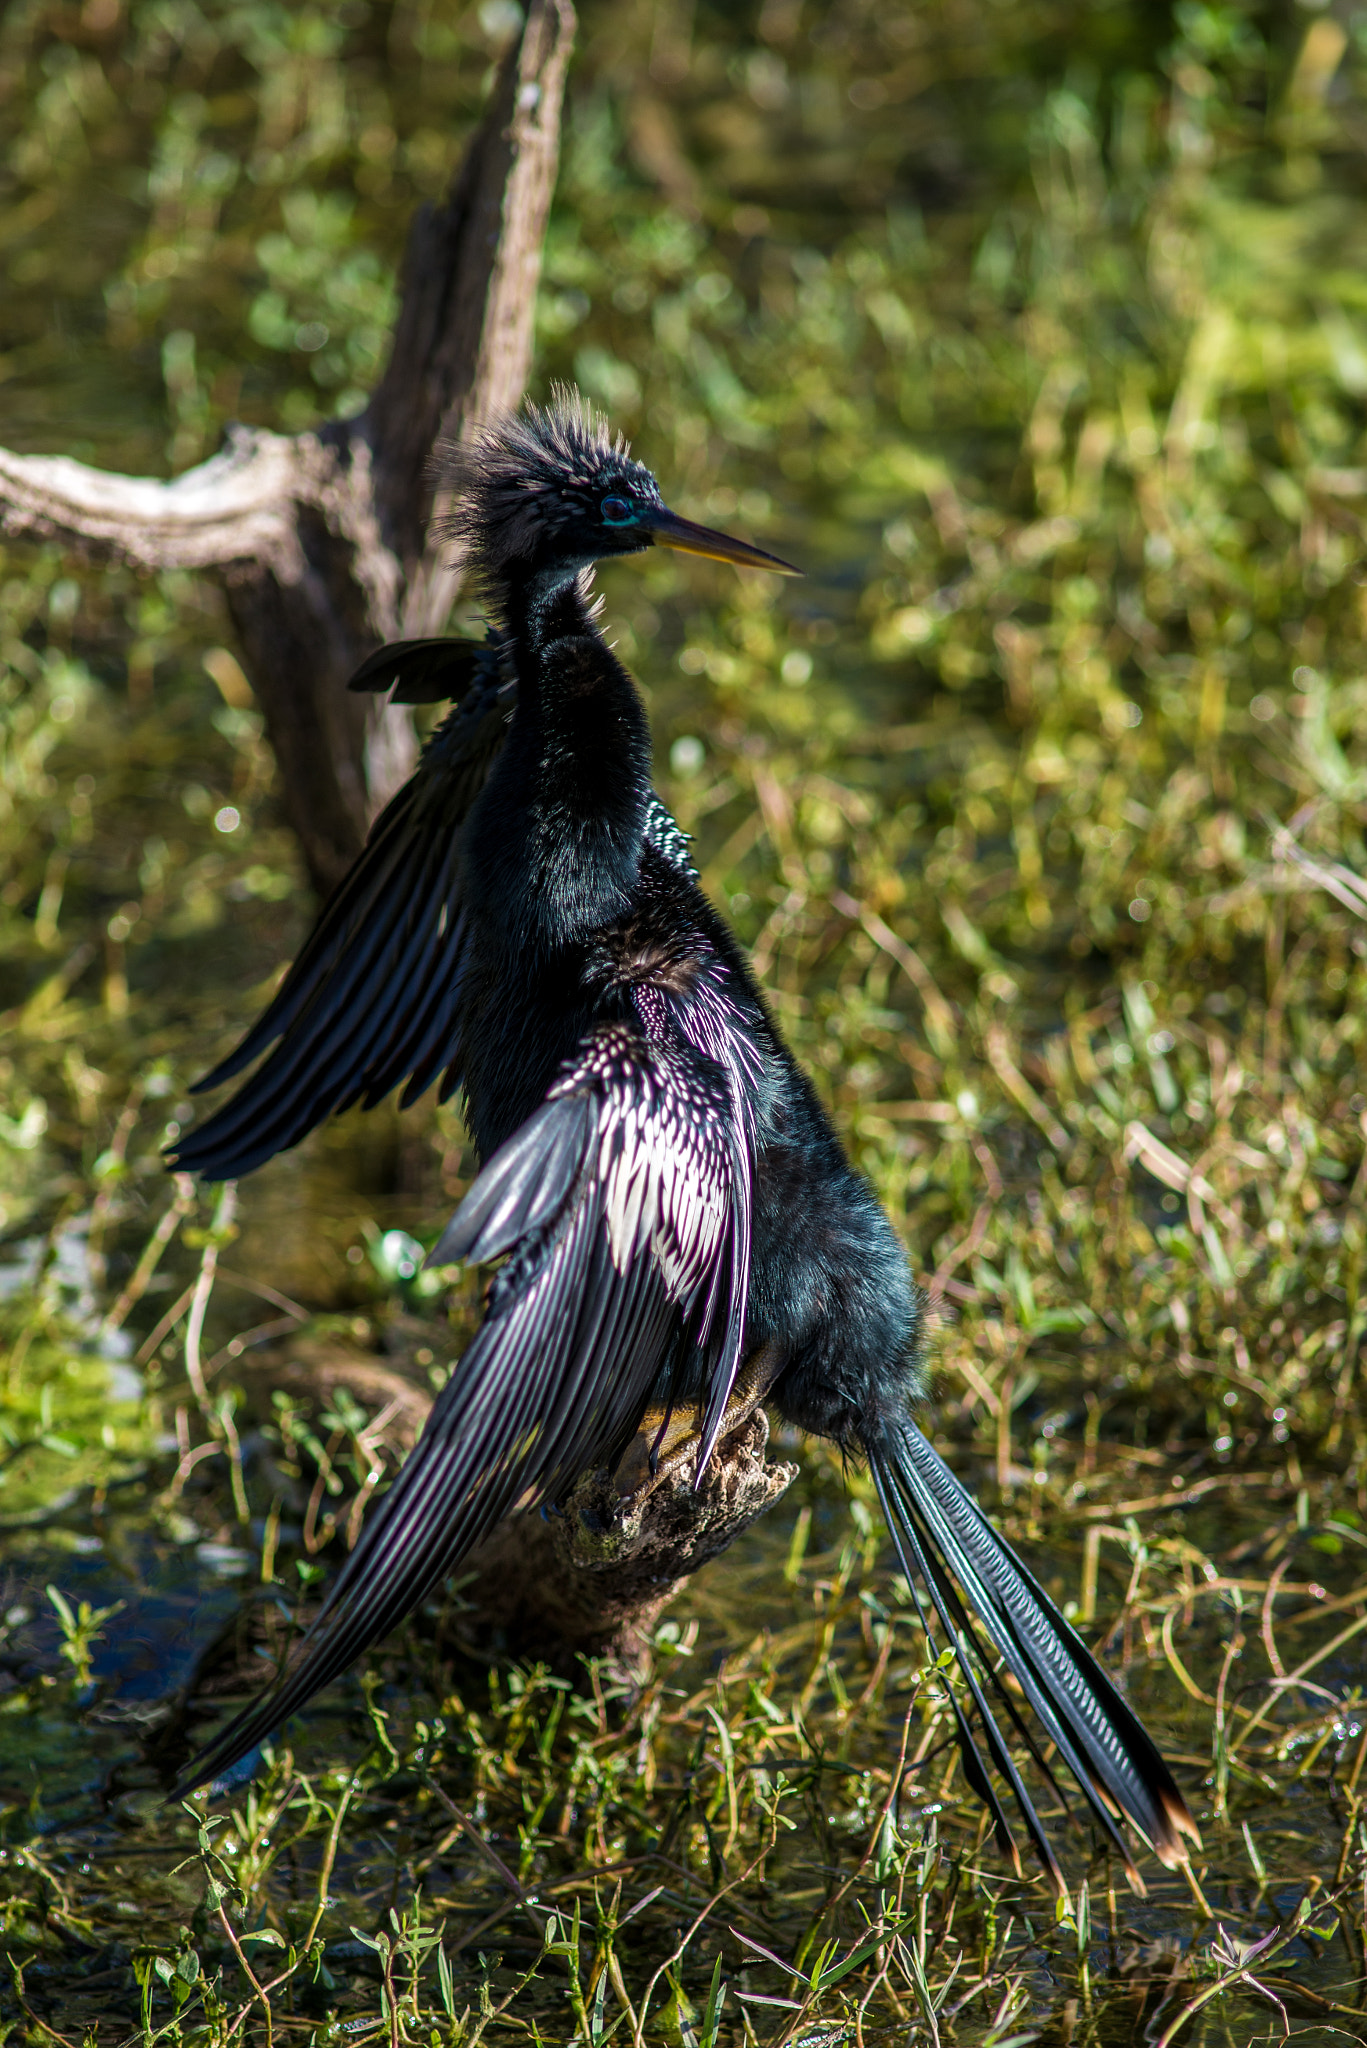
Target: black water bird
676, 1219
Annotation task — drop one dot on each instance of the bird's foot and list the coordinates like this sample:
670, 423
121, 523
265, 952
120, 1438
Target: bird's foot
665, 1448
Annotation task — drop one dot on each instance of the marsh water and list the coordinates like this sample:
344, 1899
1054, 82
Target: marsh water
1036, 335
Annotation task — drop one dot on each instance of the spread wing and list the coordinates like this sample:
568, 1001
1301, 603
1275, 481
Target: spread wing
371, 1000
622, 1209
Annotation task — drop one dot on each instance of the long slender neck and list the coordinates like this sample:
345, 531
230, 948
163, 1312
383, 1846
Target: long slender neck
542, 606
566, 803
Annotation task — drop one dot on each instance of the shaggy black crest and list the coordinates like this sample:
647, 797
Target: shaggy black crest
533, 479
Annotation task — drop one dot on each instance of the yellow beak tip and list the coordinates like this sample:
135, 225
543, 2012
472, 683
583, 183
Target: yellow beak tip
688, 539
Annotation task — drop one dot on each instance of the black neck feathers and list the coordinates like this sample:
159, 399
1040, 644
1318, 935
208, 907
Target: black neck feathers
560, 826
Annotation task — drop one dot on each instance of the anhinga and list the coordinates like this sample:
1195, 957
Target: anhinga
676, 1220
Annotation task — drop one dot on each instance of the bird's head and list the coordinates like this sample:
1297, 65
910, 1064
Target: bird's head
553, 489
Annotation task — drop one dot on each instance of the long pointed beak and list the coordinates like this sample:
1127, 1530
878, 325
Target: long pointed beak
667, 530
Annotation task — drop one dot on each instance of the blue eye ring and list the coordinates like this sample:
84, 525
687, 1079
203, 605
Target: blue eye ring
617, 512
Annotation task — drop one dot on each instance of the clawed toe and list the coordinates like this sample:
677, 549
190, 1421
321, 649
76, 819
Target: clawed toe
666, 1445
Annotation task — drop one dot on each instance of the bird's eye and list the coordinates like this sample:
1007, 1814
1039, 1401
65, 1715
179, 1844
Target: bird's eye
617, 512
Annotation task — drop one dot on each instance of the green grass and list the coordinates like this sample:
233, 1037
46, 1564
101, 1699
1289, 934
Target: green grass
1036, 334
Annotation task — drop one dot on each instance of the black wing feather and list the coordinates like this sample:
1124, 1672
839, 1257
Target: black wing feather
373, 996
423, 671
535, 1171
616, 1202
373, 1000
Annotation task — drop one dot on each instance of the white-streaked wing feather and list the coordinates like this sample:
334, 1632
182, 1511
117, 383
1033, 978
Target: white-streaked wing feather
622, 1207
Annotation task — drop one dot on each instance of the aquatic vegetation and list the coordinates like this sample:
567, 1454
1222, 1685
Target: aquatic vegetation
1035, 335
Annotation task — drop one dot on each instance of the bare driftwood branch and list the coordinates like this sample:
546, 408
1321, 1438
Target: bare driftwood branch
470, 281
318, 537
239, 506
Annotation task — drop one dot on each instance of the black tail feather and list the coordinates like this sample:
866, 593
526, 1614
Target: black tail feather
972, 1652
972, 1577
919, 1562
975, 1774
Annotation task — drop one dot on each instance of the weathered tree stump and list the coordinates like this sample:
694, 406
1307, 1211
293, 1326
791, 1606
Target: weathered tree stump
593, 1579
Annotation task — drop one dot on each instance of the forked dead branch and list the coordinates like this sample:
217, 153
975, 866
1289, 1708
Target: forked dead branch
320, 539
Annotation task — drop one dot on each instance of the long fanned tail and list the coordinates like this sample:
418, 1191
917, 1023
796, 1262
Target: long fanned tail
1000, 1620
